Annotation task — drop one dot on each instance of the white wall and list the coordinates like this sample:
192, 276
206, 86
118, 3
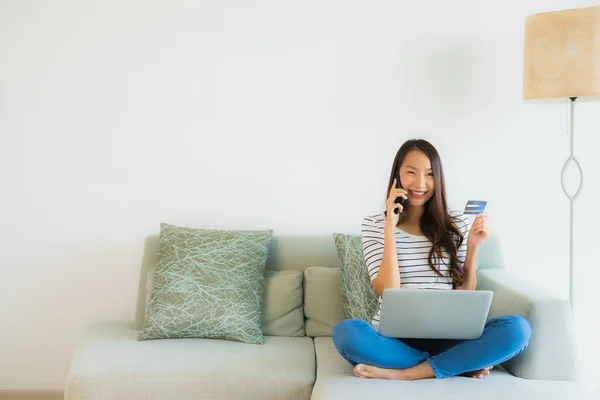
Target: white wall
115, 116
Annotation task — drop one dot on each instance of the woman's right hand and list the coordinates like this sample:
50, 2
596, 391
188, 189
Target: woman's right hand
391, 217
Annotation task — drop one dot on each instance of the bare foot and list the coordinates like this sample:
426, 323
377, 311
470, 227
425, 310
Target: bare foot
420, 371
369, 371
479, 374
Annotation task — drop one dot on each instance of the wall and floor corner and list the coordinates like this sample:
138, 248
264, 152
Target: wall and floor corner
248, 115
31, 395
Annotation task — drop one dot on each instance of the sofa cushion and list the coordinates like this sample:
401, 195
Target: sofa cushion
208, 283
109, 363
283, 309
322, 300
359, 300
335, 380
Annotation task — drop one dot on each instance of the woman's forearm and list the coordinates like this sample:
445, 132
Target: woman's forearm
470, 269
388, 275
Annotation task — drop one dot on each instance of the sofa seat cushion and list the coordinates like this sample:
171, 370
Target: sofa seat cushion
335, 380
110, 363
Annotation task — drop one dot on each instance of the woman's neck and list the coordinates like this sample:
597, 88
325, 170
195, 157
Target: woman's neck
413, 215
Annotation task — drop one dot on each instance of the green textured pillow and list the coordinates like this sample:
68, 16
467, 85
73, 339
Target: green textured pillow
208, 284
359, 300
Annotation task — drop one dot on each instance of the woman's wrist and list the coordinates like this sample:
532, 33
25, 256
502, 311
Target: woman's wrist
472, 248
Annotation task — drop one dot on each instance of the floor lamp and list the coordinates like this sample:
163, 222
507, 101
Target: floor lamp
562, 63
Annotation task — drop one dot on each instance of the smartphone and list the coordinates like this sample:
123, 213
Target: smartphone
400, 200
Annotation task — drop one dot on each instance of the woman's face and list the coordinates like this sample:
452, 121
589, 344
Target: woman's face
416, 177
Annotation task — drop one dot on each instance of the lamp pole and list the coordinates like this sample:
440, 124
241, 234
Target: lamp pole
570, 160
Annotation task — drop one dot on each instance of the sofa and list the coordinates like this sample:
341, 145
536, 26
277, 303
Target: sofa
298, 359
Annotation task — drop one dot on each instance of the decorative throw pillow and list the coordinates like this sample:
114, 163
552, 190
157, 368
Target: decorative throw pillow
282, 307
359, 300
208, 283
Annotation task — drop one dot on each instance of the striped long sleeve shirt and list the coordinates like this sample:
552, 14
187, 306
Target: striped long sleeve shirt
413, 251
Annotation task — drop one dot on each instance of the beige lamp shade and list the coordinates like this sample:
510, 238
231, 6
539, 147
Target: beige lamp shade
562, 55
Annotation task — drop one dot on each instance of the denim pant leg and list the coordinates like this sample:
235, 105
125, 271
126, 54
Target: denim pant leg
503, 338
359, 343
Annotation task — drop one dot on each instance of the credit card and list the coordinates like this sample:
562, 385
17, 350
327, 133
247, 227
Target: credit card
475, 207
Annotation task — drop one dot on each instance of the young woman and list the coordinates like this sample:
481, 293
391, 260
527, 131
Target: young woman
424, 246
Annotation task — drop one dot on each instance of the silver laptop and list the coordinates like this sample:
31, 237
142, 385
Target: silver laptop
434, 314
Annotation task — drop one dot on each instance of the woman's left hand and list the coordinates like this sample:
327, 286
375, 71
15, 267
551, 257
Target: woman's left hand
479, 231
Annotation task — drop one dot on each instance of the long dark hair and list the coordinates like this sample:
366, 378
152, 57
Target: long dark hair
436, 222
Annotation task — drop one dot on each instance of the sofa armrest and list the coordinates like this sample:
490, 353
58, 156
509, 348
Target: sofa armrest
551, 353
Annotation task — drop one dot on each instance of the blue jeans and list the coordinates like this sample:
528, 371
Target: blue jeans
503, 338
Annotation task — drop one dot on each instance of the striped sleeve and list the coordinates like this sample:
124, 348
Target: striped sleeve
372, 241
464, 225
